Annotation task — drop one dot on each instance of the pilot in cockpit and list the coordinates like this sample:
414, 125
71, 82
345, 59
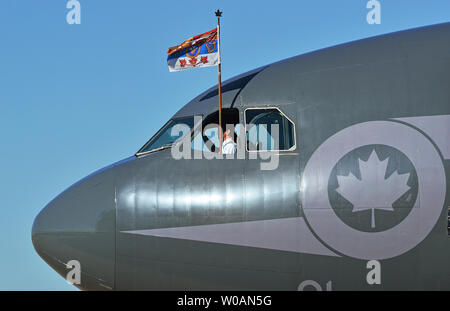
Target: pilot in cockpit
228, 146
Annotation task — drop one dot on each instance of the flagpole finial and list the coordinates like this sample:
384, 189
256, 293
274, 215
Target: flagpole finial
218, 13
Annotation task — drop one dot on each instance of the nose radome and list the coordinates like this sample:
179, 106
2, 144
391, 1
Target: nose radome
79, 225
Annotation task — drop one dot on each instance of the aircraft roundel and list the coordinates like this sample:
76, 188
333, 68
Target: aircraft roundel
374, 190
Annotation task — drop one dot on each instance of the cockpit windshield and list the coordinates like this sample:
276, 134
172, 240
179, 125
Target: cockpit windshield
168, 134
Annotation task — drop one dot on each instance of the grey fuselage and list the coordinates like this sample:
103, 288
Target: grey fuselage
152, 222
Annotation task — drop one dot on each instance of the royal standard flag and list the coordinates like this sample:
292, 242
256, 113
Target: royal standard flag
198, 51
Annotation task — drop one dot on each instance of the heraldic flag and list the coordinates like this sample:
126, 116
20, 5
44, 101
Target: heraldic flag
198, 51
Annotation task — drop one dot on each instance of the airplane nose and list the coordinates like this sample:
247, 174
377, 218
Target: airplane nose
79, 225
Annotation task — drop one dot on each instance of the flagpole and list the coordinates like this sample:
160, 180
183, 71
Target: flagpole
219, 14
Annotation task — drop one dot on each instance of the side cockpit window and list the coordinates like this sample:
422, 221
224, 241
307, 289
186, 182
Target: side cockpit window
168, 134
207, 139
269, 129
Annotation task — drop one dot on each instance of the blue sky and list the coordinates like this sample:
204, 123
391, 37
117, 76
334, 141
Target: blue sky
75, 98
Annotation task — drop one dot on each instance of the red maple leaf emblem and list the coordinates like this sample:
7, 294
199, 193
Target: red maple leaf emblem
182, 62
204, 59
193, 61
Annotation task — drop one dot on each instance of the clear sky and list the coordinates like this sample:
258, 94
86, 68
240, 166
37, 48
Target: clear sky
75, 98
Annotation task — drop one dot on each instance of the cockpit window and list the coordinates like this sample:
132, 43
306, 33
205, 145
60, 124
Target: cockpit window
269, 129
168, 134
207, 138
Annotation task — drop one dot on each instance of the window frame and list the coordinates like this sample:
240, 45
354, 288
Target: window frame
140, 153
293, 148
448, 222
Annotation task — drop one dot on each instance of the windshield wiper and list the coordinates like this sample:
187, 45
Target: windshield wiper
163, 147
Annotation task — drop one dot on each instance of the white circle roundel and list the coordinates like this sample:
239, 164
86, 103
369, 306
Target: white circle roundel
396, 240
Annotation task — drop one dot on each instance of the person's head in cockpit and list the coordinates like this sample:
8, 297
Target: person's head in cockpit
228, 145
